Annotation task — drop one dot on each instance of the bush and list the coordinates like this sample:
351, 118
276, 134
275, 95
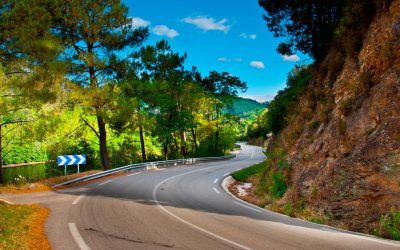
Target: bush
390, 225
279, 187
288, 209
21, 153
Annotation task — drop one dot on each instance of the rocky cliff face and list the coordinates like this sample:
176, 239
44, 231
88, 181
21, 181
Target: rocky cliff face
346, 159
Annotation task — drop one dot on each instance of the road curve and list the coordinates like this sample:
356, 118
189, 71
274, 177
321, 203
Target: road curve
181, 208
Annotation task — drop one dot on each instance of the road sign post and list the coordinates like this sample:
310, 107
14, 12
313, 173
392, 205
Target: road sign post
68, 160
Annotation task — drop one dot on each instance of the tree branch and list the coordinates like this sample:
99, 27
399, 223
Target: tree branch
91, 127
13, 122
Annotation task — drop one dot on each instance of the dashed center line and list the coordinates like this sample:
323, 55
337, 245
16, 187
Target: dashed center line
76, 201
216, 190
103, 183
215, 181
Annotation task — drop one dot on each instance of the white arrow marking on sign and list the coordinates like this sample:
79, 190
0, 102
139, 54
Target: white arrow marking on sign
82, 159
63, 161
72, 158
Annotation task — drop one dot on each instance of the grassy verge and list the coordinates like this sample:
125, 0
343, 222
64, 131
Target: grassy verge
40, 186
22, 227
246, 173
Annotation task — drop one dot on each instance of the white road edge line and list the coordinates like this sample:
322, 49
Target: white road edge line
77, 237
226, 174
7, 202
77, 199
103, 183
187, 222
349, 233
216, 190
243, 205
215, 181
134, 173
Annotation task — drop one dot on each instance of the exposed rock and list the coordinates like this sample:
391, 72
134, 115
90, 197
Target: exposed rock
352, 160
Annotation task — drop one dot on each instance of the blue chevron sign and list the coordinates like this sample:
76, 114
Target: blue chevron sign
68, 160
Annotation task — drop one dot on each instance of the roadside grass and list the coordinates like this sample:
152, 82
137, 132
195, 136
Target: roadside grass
22, 227
246, 173
40, 186
389, 225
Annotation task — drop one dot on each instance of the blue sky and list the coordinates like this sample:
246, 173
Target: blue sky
221, 35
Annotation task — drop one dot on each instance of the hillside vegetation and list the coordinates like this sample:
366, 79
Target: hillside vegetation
334, 155
76, 78
246, 108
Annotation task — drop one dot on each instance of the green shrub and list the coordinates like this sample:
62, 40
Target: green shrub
288, 209
283, 164
390, 225
21, 153
279, 187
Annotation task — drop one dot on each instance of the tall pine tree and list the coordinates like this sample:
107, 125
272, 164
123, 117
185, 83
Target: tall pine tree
98, 38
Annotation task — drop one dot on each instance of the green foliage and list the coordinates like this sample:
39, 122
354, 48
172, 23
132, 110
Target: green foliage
117, 104
286, 99
288, 209
246, 108
309, 26
24, 153
28, 173
279, 186
276, 116
246, 173
390, 225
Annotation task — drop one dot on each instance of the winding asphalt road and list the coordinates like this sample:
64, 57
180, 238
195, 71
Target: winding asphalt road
180, 208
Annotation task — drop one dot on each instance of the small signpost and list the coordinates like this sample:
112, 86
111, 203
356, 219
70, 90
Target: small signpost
68, 160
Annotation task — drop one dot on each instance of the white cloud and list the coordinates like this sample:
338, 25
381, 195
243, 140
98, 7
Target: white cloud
291, 58
257, 64
226, 59
162, 30
139, 22
208, 23
253, 36
249, 36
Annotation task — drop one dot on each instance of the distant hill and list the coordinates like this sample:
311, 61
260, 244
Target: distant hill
245, 108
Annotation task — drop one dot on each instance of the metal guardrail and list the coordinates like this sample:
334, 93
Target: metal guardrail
145, 166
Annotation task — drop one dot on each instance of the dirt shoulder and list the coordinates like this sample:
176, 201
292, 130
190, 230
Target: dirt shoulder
22, 227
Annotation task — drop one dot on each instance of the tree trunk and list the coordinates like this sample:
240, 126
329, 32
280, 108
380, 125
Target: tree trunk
105, 160
1, 156
194, 141
144, 157
183, 144
166, 150
216, 142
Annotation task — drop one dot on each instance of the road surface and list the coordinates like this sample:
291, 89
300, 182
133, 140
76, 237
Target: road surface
180, 208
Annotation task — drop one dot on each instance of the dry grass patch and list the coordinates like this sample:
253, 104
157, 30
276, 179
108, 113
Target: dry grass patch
22, 227
41, 186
